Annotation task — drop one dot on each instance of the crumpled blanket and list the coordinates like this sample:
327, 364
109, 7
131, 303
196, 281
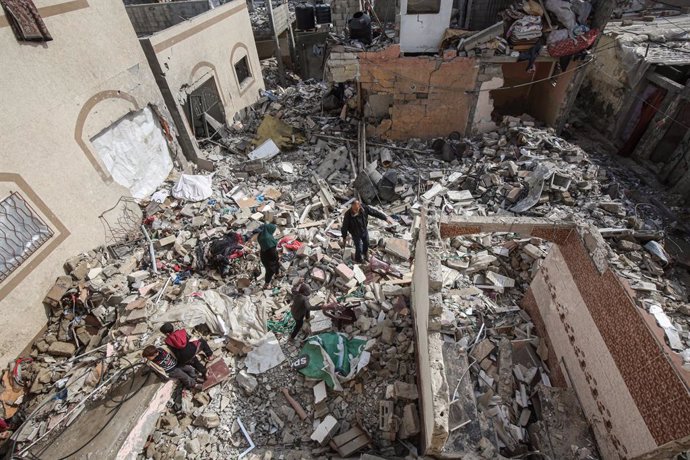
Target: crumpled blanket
563, 12
526, 28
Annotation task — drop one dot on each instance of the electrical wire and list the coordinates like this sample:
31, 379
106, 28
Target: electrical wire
656, 109
114, 413
115, 377
44, 403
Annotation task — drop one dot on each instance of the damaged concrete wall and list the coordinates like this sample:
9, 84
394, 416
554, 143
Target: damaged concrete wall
429, 92
208, 46
151, 18
604, 88
63, 93
657, 387
430, 376
422, 33
342, 11
574, 337
633, 388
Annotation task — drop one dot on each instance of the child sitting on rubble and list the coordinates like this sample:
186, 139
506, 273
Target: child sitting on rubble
164, 362
300, 306
186, 349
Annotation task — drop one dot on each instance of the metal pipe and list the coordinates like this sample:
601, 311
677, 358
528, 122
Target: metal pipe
154, 267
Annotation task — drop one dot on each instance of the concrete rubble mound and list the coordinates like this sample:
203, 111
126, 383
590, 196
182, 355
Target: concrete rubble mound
256, 402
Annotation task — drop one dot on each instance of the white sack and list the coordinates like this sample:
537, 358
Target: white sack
266, 355
193, 188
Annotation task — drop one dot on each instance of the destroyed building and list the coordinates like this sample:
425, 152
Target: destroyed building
469, 61
522, 297
638, 90
154, 96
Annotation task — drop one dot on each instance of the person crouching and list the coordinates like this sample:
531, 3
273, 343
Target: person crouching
168, 363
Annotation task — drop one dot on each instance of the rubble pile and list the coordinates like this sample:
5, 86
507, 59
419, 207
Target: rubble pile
530, 171
289, 162
112, 301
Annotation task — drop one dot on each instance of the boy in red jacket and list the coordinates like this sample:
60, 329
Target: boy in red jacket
185, 350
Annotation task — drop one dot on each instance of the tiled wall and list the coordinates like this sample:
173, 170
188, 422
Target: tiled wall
628, 385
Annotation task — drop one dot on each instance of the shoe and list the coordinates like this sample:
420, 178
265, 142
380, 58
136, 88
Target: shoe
197, 387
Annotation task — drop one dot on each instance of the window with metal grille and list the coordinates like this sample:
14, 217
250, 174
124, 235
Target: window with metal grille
22, 232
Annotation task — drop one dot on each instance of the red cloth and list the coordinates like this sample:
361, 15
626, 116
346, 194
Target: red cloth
177, 339
3, 425
290, 243
571, 46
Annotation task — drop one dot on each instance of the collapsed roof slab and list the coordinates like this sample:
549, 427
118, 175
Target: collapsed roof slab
632, 386
117, 426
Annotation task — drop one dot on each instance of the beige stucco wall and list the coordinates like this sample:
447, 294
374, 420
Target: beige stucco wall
209, 45
94, 61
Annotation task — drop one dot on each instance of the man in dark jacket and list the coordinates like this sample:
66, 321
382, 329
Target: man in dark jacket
355, 223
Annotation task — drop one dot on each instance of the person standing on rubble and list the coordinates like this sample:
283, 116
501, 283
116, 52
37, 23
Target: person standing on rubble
269, 252
355, 223
300, 306
166, 362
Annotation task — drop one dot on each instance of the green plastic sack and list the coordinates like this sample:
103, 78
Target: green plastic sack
331, 357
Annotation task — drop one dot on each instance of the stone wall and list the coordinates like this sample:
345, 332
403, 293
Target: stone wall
432, 95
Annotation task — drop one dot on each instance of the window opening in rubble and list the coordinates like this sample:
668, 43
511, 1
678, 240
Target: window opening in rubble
677, 73
22, 232
242, 71
673, 136
423, 6
539, 94
205, 109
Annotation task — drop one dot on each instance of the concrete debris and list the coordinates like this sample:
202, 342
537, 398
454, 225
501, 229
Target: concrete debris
107, 307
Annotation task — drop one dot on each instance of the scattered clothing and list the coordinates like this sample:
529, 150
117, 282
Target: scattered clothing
531, 55
563, 12
25, 20
525, 29
570, 46
219, 252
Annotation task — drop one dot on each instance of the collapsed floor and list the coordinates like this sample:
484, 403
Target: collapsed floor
112, 301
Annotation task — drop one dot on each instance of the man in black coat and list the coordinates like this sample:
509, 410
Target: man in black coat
355, 223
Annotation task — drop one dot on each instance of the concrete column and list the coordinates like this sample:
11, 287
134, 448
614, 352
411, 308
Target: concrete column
186, 139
